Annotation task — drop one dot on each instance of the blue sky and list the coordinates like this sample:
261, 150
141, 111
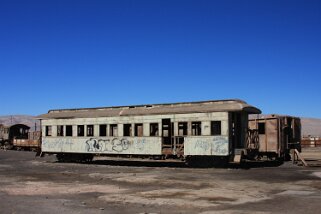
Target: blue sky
72, 54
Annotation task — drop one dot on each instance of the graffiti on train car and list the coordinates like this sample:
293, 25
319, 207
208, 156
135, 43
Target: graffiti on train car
57, 143
104, 145
220, 144
217, 145
202, 144
114, 144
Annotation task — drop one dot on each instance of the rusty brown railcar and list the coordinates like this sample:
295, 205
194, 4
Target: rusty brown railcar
4, 135
19, 137
274, 135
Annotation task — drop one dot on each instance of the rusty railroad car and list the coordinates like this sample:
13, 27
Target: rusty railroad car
19, 137
4, 135
212, 130
274, 135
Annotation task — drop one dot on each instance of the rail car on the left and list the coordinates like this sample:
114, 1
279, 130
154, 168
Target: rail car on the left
19, 137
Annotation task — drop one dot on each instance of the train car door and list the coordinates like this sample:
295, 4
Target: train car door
167, 133
235, 130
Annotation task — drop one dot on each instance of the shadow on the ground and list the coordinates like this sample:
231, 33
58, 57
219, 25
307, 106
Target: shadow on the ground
181, 164
141, 163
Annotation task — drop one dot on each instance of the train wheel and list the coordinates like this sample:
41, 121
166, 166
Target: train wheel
7, 146
205, 162
195, 161
61, 157
87, 158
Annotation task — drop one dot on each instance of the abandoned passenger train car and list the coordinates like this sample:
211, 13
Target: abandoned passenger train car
177, 130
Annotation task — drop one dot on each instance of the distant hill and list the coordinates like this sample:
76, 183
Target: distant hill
310, 126
28, 120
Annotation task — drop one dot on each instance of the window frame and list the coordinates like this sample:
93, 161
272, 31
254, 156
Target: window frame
90, 130
60, 131
127, 130
197, 131
261, 127
48, 131
69, 131
113, 130
184, 128
82, 129
154, 129
219, 129
136, 132
101, 128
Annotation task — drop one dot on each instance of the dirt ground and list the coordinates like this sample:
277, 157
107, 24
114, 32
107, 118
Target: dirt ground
42, 185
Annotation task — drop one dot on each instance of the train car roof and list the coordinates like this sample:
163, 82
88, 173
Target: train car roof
154, 109
20, 125
269, 116
15, 125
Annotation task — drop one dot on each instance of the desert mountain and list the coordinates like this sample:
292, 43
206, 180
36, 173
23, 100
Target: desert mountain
28, 120
311, 126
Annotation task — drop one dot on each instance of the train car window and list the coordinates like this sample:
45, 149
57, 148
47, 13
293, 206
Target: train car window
182, 128
154, 129
216, 128
69, 130
261, 128
90, 130
60, 131
5, 130
196, 128
113, 131
297, 129
293, 126
81, 130
165, 130
48, 130
139, 130
127, 130
102, 130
